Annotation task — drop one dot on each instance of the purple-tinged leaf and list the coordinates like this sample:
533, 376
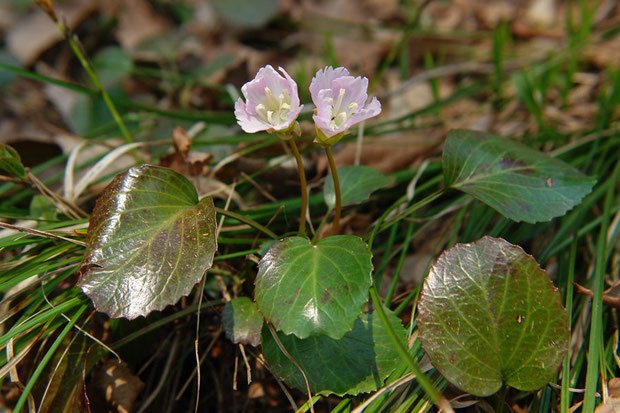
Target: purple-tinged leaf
149, 242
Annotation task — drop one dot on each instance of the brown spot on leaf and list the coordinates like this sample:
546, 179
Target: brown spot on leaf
519, 166
325, 297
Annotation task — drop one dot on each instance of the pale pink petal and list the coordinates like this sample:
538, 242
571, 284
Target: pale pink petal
369, 111
324, 78
323, 107
332, 106
323, 125
283, 103
248, 122
355, 88
292, 87
254, 93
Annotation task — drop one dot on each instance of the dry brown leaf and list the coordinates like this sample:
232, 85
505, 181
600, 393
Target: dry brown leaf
27, 43
542, 13
138, 22
48, 7
387, 155
414, 97
491, 13
114, 385
350, 224
612, 404
346, 10
7, 16
182, 160
448, 16
605, 53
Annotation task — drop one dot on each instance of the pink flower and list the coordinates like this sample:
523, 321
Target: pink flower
340, 102
271, 102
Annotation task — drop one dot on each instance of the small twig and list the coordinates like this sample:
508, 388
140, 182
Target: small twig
12, 180
607, 300
260, 359
164, 375
80, 329
204, 355
274, 334
70, 209
247, 364
260, 189
40, 233
275, 215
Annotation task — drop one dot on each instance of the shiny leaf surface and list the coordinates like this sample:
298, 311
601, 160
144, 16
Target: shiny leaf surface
358, 362
519, 182
149, 242
242, 321
308, 289
489, 314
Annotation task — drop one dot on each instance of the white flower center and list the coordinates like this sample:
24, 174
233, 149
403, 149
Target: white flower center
274, 111
340, 117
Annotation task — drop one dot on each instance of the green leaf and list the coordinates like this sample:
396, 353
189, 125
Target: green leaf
489, 314
11, 162
247, 13
149, 241
112, 66
42, 208
310, 289
519, 182
242, 321
358, 362
356, 183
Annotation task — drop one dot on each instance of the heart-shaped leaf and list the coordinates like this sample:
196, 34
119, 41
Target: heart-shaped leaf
519, 182
489, 314
356, 183
149, 241
310, 289
242, 321
358, 362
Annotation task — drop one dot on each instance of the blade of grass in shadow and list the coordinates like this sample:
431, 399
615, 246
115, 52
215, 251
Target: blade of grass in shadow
226, 118
596, 327
421, 378
32, 380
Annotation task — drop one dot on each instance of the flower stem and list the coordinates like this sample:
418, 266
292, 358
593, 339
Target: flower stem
332, 167
75, 47
304, 186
